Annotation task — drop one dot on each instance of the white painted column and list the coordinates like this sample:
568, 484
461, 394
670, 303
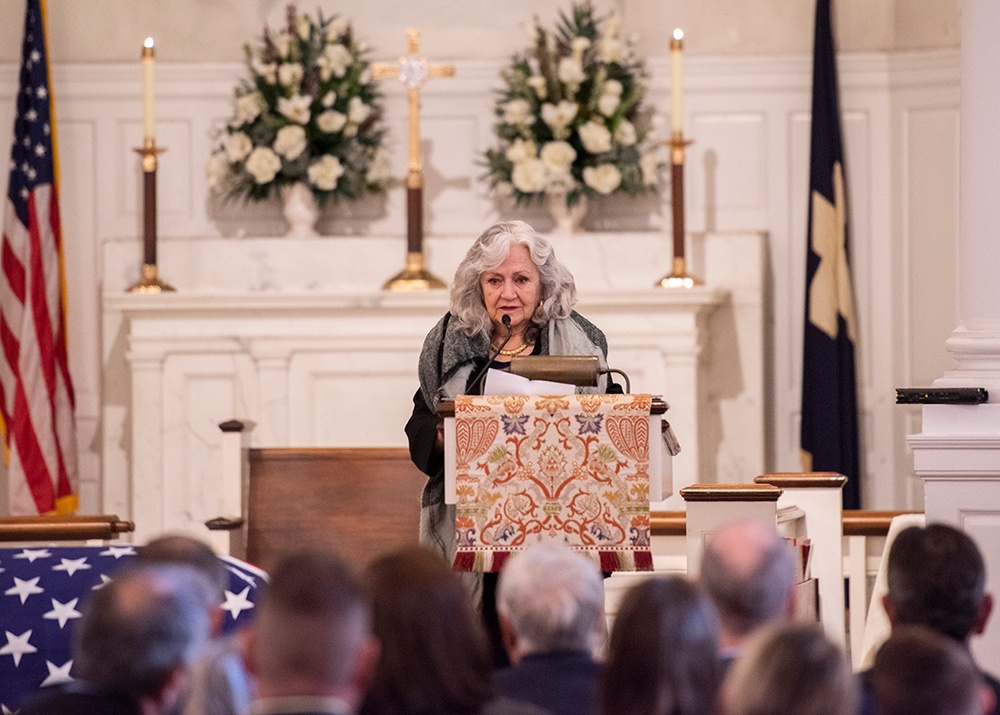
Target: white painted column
975, 343
147, 482
957, 453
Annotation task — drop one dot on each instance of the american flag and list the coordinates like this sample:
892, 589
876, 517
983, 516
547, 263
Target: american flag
42, 593
36, 394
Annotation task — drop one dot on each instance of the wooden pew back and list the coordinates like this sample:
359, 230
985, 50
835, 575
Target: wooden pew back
360, 502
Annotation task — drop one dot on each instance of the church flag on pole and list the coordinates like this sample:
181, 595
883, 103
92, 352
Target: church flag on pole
36, 393
829, 437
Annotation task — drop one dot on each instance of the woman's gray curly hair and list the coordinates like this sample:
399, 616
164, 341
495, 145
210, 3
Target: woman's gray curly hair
558, 289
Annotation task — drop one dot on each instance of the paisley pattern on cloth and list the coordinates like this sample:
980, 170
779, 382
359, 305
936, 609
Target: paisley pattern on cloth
571, 468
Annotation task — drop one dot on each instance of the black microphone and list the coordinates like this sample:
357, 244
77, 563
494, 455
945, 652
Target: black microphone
490, 358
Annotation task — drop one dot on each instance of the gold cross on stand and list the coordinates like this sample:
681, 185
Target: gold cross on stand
413, 71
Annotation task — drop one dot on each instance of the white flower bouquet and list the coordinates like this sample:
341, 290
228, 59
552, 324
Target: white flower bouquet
310, 112
570, 118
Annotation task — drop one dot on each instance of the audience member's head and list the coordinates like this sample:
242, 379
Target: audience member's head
186, 550
936, 577
312, 634
140, 633
434, 651
790, 669
749, 572
663, 654
919, 670
550, 599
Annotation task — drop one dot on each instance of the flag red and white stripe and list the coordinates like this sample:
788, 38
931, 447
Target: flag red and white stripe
36, 393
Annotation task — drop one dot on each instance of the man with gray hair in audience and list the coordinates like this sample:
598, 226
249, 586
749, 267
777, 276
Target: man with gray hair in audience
749, 572
550, 601
134, 645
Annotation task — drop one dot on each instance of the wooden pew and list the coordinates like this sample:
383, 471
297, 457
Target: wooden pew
361, 502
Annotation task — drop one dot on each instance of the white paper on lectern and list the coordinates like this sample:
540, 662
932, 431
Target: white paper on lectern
501, 382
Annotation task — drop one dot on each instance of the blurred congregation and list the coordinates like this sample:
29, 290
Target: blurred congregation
404, 636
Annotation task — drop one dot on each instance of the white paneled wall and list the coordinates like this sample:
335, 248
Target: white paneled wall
746, 172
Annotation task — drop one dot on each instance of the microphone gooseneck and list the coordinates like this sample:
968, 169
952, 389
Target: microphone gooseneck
491, 357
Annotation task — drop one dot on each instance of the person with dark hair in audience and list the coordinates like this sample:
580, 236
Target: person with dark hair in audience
790, 669
134, 645
310, 647
551, 604
435, 659
219, 684
663, 654
936, 578
919, 670
749, 572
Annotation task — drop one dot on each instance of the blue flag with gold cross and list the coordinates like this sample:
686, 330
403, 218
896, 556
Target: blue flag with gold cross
829, 436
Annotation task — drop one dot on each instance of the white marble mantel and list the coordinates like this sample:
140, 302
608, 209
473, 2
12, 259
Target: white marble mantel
257, 335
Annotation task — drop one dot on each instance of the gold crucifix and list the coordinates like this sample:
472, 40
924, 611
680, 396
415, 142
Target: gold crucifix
414, 71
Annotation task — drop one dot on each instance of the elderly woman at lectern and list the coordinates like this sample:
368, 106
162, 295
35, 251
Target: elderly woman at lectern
510, 297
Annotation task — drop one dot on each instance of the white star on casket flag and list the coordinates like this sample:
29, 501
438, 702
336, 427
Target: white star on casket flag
18, 646
71, 566
32, 554
63, 612
24, 588
105, 579
118, 551
57, 673
237, 603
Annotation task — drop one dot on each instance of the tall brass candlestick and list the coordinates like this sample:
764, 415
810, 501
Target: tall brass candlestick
150, 281
678, 276
414, 71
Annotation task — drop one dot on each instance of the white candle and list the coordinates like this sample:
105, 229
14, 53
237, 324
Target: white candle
148, 119
676, 111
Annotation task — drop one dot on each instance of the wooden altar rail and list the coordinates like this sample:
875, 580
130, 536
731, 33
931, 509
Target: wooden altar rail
856, 522
62, 528
858, 528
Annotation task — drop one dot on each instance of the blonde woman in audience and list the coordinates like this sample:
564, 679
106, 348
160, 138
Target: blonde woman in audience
791, 669
663, 656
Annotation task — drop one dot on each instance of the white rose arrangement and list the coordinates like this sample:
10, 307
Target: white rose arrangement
310, 112
570, 118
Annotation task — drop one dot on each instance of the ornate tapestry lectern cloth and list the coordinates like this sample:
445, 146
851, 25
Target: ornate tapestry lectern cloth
572, 468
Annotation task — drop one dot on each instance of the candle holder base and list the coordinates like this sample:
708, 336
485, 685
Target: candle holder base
679, 277
150, 282
414, 277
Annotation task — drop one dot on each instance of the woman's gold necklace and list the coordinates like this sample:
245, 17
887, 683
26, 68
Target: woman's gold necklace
515, 351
